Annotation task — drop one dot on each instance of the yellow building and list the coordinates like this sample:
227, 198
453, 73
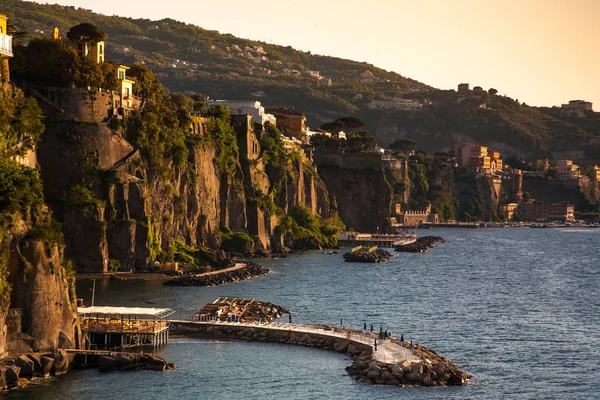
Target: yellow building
5, 49
507, 211
93, 50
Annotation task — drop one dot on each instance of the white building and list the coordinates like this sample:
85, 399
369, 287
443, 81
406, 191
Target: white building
567, 170
249, 107
395, 103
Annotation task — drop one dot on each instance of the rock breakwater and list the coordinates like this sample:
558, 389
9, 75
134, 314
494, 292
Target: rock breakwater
421, 245
421, 366
249, 271
376, 256
430, 370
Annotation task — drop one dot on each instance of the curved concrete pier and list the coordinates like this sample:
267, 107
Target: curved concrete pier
393, 363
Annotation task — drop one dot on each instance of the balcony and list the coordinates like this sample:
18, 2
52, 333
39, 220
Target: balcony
5, 45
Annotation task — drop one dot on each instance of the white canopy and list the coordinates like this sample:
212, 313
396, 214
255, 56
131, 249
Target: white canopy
107, 310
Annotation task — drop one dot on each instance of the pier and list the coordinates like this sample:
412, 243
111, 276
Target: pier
376, 239
333, 337
379, 361
111, 328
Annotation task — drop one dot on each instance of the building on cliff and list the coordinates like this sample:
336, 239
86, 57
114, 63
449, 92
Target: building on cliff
537, 211
395, 103
251, 107
247, 140
415, 217
290, 122
577, 107
570, 154
463, 87
6, 51
479, 159
566, 169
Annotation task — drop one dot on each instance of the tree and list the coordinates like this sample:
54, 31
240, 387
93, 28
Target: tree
403, 145
492, 91
52, 62
146, 85
352, 123
360, 142
182, 101
526, 197
333, 127
86, 32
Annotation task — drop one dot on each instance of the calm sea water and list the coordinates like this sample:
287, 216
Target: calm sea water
517, 308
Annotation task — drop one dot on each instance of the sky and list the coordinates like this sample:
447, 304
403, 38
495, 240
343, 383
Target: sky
542, 52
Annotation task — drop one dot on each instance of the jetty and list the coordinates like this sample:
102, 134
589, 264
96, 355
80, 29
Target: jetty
112, 328
376, 239
389, 361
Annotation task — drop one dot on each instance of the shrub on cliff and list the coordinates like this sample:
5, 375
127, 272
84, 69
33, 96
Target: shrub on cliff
235, 242
308, 230
190, 256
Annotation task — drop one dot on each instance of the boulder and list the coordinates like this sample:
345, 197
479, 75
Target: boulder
417, 367
342, 347
37, 364
11, 375
375, 365
47, 366
387, 375
61, 362
373, 374
26, 365
397, 371
154, 363
406, 366
414, 377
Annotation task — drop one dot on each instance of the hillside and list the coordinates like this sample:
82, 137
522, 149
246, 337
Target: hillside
187, 57
194, 60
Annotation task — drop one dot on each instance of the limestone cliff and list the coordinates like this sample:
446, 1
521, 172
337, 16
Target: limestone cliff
364, 191
135, 214
42, 314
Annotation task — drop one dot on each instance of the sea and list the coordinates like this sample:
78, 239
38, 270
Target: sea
518, 308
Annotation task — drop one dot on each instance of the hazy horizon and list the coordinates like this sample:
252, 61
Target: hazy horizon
540, 52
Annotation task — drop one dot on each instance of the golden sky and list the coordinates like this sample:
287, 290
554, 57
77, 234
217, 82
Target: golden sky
542, 52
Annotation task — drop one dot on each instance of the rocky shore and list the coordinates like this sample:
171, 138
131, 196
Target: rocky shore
376, 256
250, 271
421, 245
19, 371
424, 368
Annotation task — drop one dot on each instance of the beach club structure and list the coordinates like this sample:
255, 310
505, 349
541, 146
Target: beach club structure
119, 328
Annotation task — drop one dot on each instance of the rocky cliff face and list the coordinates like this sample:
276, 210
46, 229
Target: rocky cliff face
44, 297
138, 214
365, 196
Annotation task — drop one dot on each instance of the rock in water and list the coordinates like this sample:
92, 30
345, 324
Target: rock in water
376, 256
422, 245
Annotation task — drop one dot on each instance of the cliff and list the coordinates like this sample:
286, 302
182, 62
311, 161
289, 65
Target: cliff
117, 209
364, 190
37, 295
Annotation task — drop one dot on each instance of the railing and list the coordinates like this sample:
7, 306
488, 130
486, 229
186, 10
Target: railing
6, 45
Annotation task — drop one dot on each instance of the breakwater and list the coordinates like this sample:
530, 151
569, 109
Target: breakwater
238, 273
391, 362
421, 245
376, 256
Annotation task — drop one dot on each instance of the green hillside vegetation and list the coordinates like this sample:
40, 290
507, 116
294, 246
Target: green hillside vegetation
213, 64
484, 117
190, 59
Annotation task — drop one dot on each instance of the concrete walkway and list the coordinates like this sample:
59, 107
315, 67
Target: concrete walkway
220, 271
387, 352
